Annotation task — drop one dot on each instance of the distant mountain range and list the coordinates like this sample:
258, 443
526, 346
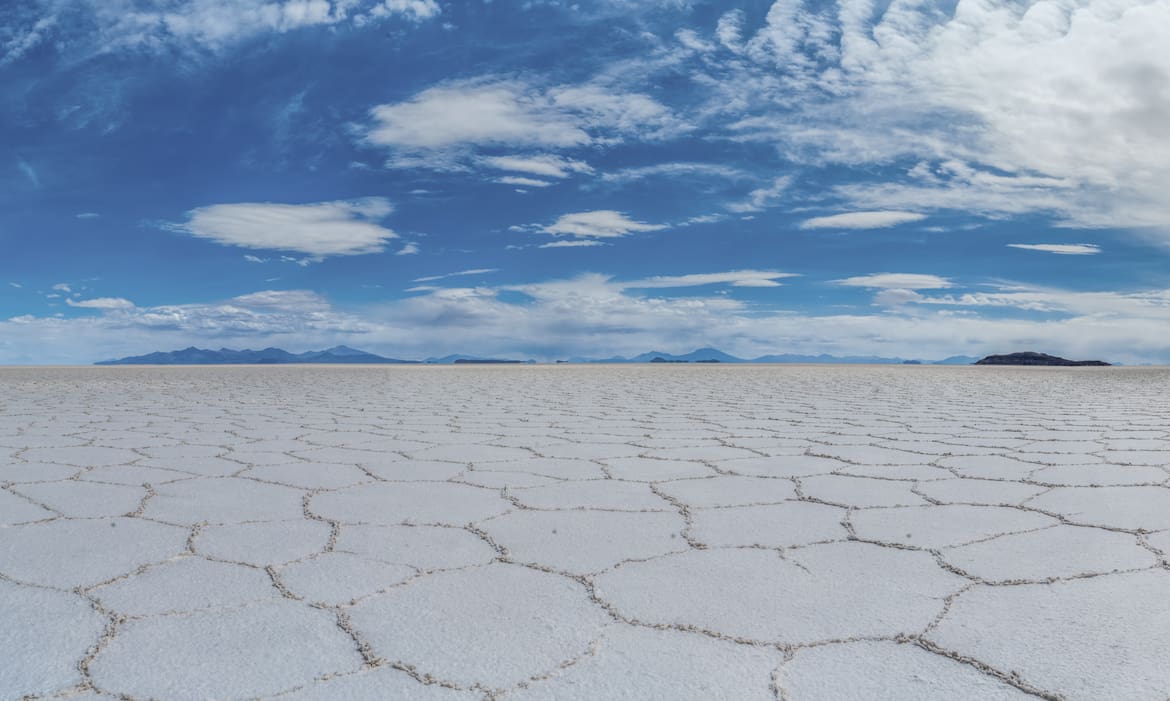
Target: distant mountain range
268, 356
707, 355
347, 355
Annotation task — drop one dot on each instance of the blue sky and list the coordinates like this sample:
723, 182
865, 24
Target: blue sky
907, 178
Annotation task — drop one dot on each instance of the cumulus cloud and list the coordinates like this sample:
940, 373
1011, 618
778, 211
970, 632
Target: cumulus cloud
294, 319
504, 112
1064, 249
1050, 106
596, 315
597, 224
862, 220
443, 126
101, 303
903, 281
341, 228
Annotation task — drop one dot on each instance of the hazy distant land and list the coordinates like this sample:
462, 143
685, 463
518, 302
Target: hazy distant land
347, 355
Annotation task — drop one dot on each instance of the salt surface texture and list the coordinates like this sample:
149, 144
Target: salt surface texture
794, 533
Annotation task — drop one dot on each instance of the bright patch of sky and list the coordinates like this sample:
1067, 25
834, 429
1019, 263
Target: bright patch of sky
546, 179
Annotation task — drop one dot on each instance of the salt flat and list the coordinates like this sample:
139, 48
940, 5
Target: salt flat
625, 532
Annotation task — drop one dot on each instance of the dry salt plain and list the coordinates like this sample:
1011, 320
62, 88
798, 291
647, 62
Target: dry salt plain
449, 534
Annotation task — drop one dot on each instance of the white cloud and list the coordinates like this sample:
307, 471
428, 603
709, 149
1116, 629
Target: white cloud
341, 228
703, 219
572, 243
676, 170
62, 287
416, 10
29, 172
254, 259
21, 40
163, 25
1059, 107
593, 315
544, 165
613, 112
896, 297
87, 215
1066, 249
461, 114
762, 198
17, 285
601, 223
460, 273
102, 303
902, 281
408, 249
736, 278
690, 39
729, 30
522, 182
862, 220
442, 126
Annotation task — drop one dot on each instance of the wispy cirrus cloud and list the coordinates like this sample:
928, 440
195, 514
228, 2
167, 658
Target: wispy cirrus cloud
862, 220
596, 224
520, 181
1064, 249
908, 281
320, 229
735, 278
459, 273
543, 165
763, 197
203, 25
573, 243
681, 169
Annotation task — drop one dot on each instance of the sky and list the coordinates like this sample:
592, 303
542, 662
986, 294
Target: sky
542, 179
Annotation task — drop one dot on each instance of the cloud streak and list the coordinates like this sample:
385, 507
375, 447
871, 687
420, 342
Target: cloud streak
1064, 249
862, 220
597, 224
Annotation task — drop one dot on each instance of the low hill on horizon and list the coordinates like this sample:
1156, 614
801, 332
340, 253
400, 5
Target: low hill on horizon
268, 356
1033, 358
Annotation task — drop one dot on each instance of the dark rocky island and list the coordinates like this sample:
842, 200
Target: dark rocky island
1030, 358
